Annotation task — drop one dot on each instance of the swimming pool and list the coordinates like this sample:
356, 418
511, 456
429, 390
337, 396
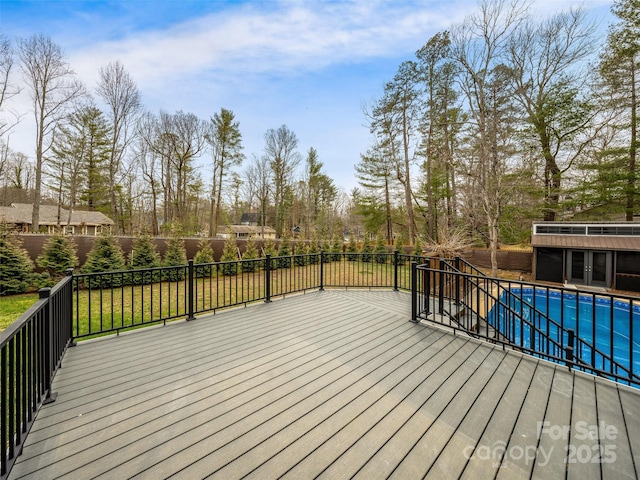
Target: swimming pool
605, 328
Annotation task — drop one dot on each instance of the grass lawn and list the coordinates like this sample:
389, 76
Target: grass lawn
11, 307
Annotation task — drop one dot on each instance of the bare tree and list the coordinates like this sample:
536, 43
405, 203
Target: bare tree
479, 47
281, 152
549, 84
258, 183
52, 85
120, 93
7, 88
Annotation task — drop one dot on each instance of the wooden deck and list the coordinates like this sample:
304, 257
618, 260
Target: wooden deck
333, 384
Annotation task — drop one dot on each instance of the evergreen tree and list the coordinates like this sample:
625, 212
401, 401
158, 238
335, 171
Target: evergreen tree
58, 254
269, 248
249, 256
326, 248
366, 249
229, 256
381, 255
106, 255
284, 253
15, 265
176, 255
399, 247
352, 249
144, 255
312, 251
203, 256
300, 258
417, 248
336, 248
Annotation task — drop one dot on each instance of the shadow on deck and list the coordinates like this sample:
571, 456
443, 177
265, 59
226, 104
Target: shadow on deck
330, 384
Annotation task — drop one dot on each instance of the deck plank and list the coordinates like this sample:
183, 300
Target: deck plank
336, 383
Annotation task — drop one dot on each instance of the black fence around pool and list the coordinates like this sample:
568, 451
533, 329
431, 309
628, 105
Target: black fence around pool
592, 331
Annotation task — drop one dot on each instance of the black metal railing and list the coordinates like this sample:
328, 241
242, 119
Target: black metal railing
595, 332
113, 301
31, 350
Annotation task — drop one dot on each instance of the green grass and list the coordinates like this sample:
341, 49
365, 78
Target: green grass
11, 307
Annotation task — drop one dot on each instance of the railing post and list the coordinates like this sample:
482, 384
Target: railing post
426, 281
570, 348
441, 288
414, 291
70, 341
395, 270
457, 277
267, 278
191, 282
321, 270
47, 350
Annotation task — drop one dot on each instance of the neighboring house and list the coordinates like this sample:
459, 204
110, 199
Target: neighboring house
597, 254
246, 231
53, 219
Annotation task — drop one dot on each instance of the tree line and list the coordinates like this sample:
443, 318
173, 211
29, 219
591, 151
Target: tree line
503, 119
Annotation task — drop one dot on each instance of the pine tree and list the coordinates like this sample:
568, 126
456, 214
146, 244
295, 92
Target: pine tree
176, 255
352, 249
249, 256
144, 255
326, 248
336, 248
366, 249
15, 265
381, 255
300, 258
269, 248
399, 247
58, 255
106, 255
417, 248
312, 251
284, 253
229, 256
203, 256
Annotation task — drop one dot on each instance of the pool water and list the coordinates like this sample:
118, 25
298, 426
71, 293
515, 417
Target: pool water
608, 330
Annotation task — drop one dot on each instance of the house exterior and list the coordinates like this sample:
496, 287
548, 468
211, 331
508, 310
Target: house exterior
246, 231
54, 219
599, 254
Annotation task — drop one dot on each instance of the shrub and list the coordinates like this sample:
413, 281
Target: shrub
58, 255
381, 255
250, 255
15, 265
366, 249
300, 259
352, 249
399, 247
204, 255
269, 248
312, 251
326, 249
284, 254
176, 255
229, 257
336, 248
417, 248
105, 256
144, 255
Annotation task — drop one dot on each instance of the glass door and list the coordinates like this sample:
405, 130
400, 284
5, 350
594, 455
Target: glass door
589, 267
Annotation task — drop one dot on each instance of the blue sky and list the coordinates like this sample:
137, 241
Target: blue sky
311, 65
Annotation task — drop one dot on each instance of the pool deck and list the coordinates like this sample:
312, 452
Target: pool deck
331, 384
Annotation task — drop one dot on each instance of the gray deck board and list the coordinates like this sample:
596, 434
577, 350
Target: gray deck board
333, 384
